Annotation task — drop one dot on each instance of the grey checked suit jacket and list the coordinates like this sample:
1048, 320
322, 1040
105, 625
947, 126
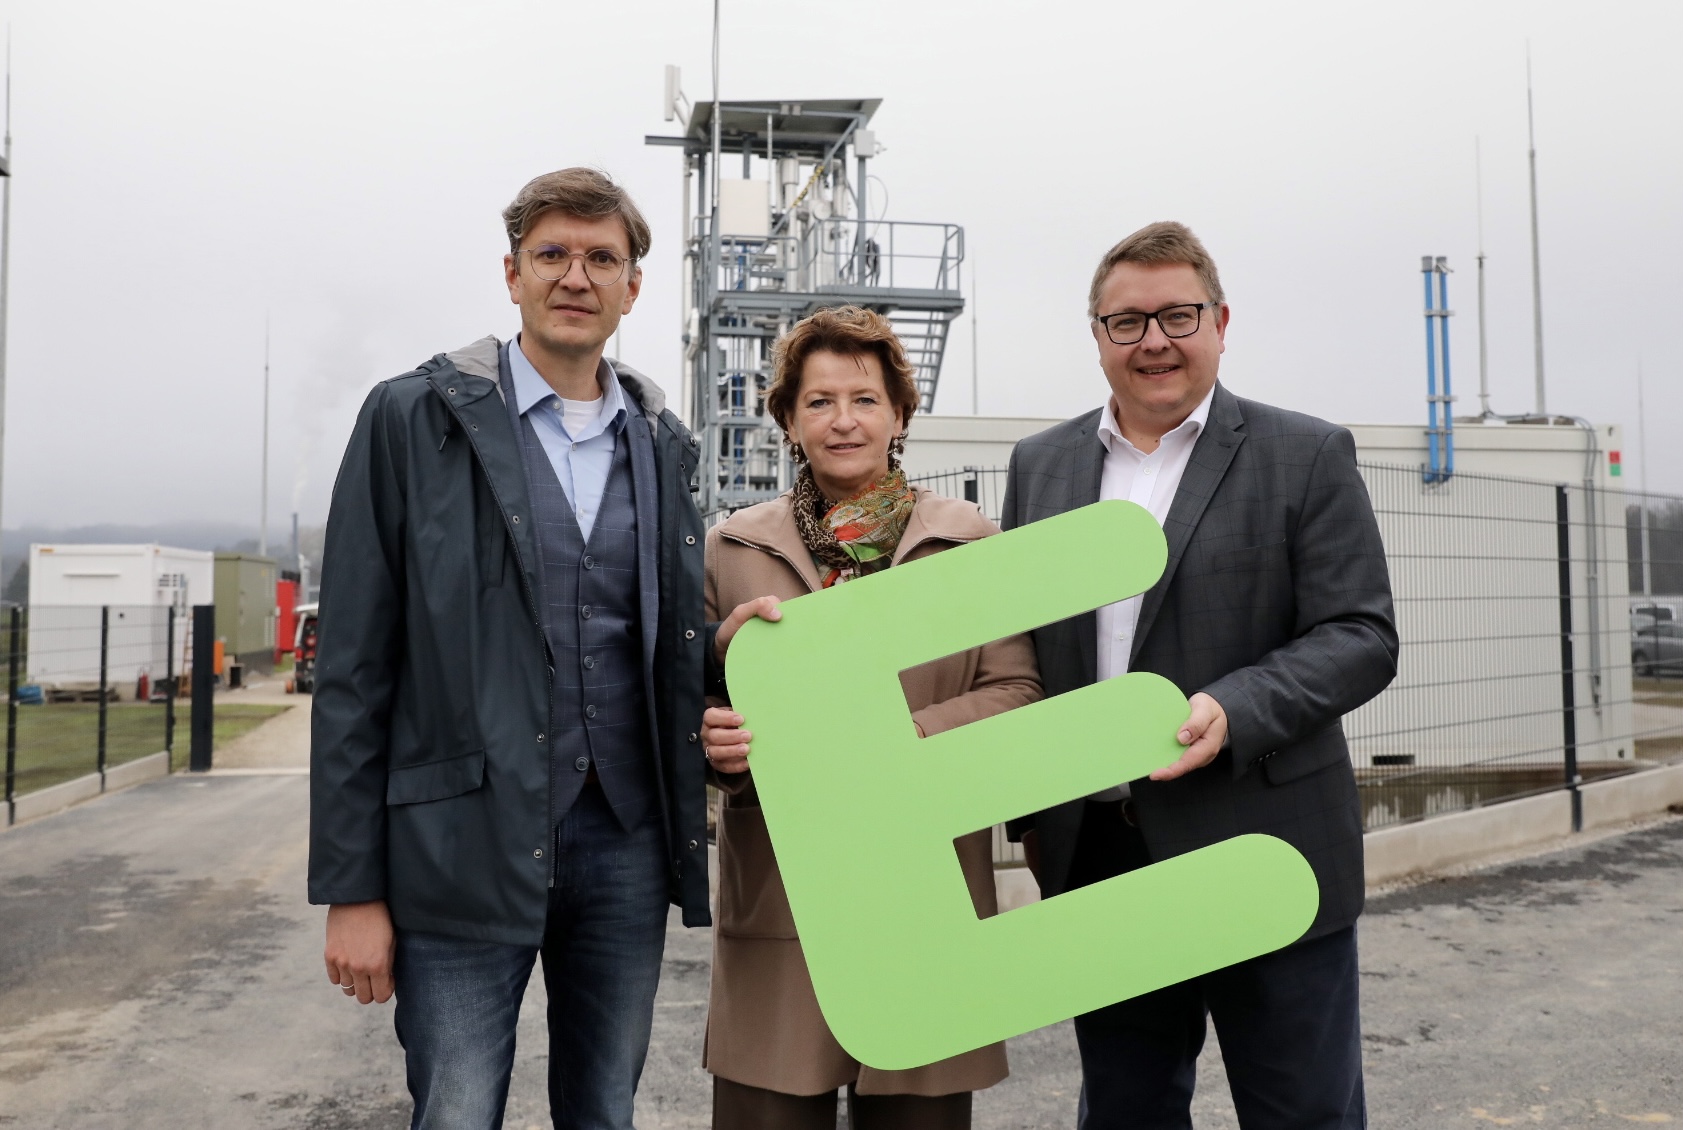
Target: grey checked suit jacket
1275, 601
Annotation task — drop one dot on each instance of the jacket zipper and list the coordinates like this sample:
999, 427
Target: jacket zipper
775, 552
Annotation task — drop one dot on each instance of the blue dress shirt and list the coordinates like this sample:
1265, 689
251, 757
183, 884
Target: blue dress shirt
581, 462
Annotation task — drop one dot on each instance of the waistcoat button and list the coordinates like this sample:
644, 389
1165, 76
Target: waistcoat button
589, 662
585, 612
590, 712
581, 763
590, 562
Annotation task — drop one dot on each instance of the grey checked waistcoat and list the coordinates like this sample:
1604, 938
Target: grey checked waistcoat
589, 597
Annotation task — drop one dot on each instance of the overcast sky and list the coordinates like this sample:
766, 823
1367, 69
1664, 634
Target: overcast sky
184, 170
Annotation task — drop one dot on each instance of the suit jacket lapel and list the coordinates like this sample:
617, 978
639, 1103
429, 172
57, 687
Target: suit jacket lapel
1087, 461
1211, 456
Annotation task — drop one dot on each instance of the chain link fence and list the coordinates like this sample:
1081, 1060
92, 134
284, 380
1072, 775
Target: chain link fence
1527, 664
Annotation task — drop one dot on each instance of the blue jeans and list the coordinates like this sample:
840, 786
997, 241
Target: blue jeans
458, 1000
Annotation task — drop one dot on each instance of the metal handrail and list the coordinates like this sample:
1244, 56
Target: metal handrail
827, 253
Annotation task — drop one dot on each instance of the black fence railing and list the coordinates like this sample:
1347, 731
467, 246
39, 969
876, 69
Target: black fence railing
87, 689
1527, 664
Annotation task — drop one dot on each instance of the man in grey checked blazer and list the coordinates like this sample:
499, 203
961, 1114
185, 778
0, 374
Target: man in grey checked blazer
1274, 616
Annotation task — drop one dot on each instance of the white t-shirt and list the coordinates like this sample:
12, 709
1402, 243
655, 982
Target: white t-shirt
575, 414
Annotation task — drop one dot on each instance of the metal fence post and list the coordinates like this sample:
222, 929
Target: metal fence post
169, 689
104, 689
13, 650
204, 652
1568, 689
972, 488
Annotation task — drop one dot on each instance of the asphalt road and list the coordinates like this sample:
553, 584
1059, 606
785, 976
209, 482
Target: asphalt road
159, 968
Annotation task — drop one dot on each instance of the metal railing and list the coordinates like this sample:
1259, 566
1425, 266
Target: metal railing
87, 689
1523, 667
826, 254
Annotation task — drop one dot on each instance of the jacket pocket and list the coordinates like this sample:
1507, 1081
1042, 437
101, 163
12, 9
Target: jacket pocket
436, 780
752, 901
1311, 755
1251, 557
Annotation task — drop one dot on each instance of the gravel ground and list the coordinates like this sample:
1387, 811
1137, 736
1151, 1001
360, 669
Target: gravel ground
161, 970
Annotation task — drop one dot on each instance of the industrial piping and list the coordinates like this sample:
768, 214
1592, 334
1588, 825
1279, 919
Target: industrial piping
1440, 407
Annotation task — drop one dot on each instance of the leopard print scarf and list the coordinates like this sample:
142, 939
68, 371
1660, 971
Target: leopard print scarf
857, 536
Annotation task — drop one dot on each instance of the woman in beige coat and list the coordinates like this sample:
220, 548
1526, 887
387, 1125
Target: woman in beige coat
843, 394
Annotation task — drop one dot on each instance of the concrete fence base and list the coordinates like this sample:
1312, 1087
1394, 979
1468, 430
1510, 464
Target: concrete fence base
1461, 838
43, 802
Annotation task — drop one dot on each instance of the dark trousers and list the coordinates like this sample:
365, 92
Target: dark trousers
458, 1000
1289, 1024
737, 1106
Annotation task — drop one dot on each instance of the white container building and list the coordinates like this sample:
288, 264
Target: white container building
1475, 566
142, 585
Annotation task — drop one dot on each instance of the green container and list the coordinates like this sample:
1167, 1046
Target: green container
246, 615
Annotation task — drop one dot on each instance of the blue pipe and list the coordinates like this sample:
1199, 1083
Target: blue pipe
1434, 464
1448, 401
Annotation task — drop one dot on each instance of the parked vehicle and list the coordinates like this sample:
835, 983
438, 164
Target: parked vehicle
1658, 608
1656, 646
304, 651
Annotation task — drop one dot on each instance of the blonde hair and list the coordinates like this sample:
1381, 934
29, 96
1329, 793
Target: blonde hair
1163, 242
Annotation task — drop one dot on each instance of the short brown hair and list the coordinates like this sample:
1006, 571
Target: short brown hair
851, 331
1163, 242
586, 193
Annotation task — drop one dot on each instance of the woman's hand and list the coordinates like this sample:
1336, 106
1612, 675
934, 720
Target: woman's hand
764, 607
723, 742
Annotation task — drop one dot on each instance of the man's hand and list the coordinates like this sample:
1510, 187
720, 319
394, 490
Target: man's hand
360, 948
764, 607
723, 741
1202, 736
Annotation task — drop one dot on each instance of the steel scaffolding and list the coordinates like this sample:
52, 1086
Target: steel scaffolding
795, 233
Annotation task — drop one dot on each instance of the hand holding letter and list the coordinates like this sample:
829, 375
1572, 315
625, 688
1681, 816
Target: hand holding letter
1202, 735
764, 607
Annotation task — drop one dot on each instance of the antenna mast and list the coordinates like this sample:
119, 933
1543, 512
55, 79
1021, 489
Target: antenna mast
5, 243
1536, 260
263, 505
1642, 469
1483, 355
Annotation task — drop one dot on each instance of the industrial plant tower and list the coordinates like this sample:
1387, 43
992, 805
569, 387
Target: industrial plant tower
792, 231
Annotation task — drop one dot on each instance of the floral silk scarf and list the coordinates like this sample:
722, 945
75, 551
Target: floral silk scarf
857, 536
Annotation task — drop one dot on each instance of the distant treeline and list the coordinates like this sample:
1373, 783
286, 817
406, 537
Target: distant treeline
1665, 545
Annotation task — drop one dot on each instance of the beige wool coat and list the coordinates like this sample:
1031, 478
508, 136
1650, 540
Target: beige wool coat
764, 1028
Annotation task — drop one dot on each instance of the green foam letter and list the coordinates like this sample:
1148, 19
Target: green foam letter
863, 814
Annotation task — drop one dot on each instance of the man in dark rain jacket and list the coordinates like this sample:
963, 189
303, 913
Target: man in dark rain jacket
509, 677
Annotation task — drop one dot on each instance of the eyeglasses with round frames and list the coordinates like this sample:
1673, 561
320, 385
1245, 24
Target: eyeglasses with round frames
1175, 321
603, 266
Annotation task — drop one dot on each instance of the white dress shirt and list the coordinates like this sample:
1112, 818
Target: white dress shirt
1151, 481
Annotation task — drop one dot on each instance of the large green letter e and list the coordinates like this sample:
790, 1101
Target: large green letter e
863, 815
